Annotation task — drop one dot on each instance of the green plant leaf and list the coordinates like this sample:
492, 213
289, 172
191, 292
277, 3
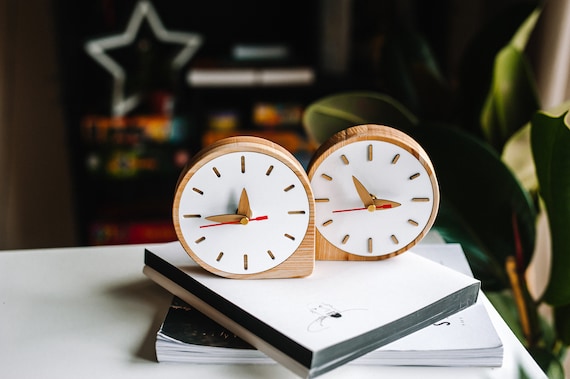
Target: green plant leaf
482, 189
517, 155
548, 362
512, 98
331, 114
476, 65
521, 37
504, 303
562, 323
453, 227
410, 73
550, 140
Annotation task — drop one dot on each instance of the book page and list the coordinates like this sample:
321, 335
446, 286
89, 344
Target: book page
469, 329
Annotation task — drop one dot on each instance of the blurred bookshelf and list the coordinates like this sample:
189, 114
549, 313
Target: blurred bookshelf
147, 84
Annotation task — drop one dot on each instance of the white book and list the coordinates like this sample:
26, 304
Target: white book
315, 324
467, 338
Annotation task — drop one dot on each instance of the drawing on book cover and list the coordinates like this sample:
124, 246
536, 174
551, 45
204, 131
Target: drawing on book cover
190, 326
328, 316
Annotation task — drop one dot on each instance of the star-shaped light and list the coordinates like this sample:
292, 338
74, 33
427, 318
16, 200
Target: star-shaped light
143, 10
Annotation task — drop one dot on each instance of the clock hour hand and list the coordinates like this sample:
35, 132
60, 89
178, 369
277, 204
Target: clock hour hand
364, 194
385, 204
233, 217
243, 204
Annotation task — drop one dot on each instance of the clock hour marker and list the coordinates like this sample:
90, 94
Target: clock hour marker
201, 239
289, 236
219, 257
270, 254
216, 172
345, 239
245, 261
242, 164
328, 222
322, 200
344, 159
296, 212
289, 188
370, 153
420, 199
395, 159
370, 245
191, 216
327, 177
394, 239
416, 175
268, 172
412, 222
199, 191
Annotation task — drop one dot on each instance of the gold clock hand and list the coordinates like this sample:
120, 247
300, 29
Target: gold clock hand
243, 204
229, 218
242, 215
379, 204
243, 221
385, 204
364, 194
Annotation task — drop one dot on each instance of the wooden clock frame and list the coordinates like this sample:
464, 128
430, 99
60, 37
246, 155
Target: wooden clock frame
298, 264
370, 132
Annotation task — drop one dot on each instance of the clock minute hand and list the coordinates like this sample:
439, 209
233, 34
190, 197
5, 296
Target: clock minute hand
379, 204
235, 222
243, 204
364, 194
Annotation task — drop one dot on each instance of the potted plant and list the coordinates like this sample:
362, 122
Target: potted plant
475, 143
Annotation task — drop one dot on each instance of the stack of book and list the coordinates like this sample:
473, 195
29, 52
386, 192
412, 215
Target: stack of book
407, 310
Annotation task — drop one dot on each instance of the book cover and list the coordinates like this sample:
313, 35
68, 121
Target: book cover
315, 324
467, 338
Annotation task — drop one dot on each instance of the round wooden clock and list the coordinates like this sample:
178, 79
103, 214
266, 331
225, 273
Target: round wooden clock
244, 208
376, 194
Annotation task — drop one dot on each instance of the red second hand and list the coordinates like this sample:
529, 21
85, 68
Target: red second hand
235, 222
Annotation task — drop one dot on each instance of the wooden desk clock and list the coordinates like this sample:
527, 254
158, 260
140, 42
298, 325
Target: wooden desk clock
376, 194
244, 208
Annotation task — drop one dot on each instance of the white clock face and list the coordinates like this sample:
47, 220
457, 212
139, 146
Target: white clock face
278, 219
396, 203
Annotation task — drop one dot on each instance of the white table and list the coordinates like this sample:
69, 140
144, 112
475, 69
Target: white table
91, 313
